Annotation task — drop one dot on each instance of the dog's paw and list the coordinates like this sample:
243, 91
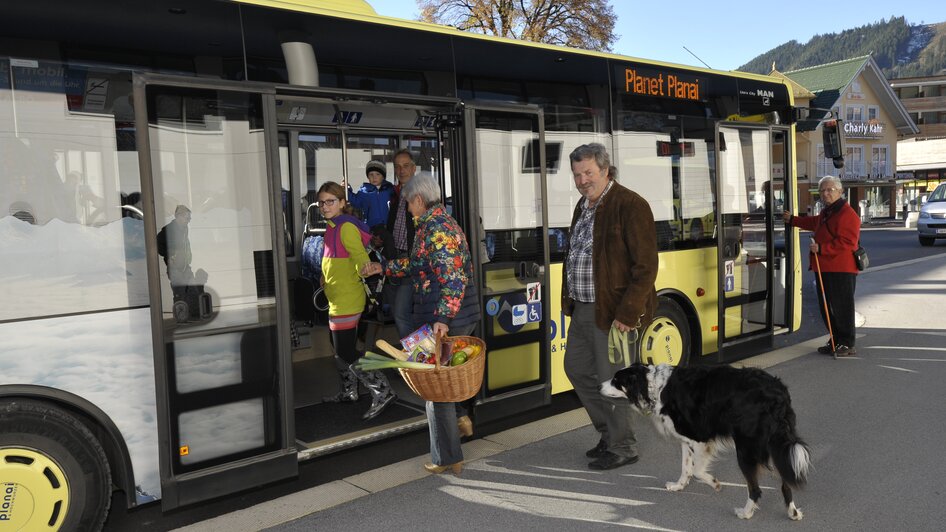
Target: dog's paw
717, 487
747, 511
794, 513
676, 486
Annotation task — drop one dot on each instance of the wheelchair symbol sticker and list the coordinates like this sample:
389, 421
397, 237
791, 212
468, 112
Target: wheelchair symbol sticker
535, 312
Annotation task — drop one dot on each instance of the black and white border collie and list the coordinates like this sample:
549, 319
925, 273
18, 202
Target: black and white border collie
711, 408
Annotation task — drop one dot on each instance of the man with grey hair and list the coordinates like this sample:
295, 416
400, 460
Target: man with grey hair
401, 226
608, 290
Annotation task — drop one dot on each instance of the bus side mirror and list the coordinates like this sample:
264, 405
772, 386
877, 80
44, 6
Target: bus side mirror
833, 145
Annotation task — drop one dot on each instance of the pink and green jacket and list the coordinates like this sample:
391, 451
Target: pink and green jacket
342, 258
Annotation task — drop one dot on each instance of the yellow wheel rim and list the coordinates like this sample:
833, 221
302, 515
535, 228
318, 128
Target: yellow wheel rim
35, 491
662, 343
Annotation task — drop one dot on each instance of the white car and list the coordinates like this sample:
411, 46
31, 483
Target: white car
932, 221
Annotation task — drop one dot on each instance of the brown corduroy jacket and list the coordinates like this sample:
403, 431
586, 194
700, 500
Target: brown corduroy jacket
624, 260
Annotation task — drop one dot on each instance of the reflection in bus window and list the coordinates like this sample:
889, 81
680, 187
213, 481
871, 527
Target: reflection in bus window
65, 189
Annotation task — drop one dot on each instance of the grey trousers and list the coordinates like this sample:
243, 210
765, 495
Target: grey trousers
445, 446
586, 359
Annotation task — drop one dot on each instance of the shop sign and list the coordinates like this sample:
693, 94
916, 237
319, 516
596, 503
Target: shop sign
863, 129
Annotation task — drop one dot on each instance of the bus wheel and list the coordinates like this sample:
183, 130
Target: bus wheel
667, 339
53, 470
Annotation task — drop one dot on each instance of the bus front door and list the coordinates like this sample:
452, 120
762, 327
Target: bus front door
505, 149
752, 278
218, 301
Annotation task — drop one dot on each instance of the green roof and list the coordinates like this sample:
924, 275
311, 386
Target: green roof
827, 81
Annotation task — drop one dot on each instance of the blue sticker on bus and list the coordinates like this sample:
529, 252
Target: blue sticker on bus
492, 307
534, 312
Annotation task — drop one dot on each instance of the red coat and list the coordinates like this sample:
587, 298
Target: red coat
837, 231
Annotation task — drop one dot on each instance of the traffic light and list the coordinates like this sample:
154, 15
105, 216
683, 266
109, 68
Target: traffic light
833, 144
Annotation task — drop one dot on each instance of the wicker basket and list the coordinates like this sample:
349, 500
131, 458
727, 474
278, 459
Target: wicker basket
449, 384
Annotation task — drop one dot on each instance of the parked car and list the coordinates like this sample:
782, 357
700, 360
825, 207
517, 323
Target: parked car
932, 221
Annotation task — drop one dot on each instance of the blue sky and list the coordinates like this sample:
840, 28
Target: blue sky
720, 35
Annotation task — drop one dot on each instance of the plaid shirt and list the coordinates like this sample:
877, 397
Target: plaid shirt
581, 284
400, 226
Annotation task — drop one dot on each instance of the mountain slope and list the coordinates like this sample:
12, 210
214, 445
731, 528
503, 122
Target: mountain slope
899, 48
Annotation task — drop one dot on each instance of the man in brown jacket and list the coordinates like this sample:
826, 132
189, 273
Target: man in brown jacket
608, 283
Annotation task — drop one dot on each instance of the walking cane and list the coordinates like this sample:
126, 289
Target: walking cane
824, 300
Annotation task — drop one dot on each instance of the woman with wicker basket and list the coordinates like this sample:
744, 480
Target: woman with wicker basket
444, 295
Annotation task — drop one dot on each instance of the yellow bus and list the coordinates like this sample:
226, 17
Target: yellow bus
115, 118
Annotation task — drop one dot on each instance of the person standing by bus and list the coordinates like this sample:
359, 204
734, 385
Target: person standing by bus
343, 257
836, 233
401, 226
608, 283
439, 271
174, 245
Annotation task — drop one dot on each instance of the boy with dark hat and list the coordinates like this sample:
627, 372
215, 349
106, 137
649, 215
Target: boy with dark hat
373, 200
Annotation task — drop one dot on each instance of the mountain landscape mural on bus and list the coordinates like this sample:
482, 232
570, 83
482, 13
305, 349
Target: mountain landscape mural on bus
901, 49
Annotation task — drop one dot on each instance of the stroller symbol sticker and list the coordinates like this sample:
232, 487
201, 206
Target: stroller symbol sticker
519, 315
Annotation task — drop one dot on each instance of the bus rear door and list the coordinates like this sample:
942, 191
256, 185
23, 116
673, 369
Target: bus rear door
505, 147
219, 313
752, 187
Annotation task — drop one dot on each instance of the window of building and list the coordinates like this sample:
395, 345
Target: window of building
873, 112
909, 92
879, 161
855, 112
825, 165
853, 161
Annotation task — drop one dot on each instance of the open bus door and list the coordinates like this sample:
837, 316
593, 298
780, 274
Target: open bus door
754, 274
505, 148
219, 314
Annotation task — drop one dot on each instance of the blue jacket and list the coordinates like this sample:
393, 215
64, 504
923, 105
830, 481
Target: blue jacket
373, 202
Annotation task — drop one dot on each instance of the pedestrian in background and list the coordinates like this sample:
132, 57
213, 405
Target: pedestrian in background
610, 269
836, 233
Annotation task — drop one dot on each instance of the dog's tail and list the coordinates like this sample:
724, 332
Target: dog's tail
790, 456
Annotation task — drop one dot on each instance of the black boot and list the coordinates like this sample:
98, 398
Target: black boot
381, 393
348, 393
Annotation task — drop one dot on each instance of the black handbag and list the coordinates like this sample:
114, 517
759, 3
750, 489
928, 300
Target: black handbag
860, 258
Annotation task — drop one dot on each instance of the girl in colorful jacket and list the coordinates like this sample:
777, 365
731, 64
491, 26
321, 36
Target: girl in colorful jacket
343, 257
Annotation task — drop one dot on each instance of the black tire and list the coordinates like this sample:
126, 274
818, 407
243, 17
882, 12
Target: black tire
58, 460
666, 340
927, 240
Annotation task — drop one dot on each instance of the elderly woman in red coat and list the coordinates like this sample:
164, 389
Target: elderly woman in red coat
835, 234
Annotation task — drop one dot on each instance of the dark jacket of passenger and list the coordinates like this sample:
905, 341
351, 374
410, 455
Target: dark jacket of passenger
624, 259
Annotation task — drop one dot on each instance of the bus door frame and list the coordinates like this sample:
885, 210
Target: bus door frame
753, 342
180, 489
491, 405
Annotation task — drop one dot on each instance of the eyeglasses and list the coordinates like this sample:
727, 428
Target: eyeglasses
829, 189
327, 203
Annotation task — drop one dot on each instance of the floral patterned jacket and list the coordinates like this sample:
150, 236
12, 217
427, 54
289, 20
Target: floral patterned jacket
441, 271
